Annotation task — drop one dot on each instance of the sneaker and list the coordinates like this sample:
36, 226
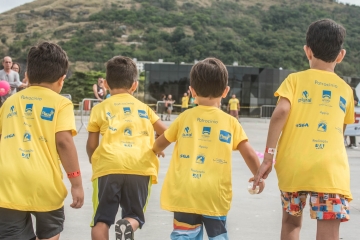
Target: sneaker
123, 230
353, 146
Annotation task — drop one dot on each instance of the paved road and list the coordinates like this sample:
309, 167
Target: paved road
251, 217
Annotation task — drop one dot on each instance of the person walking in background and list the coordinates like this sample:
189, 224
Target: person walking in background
169, 104
307, 127
353, 144
234, 106
184, 102
99, 89
161, 106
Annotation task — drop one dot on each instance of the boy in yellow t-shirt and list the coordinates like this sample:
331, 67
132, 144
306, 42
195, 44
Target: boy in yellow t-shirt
184, 102
37, 126
313, 109
124, 166
197, 187
234, 106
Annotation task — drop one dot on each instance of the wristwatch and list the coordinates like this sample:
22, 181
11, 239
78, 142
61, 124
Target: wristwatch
270, 150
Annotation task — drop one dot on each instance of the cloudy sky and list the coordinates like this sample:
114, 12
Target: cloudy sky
9, 4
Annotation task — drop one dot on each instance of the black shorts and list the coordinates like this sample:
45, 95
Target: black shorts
130, 192
17, 225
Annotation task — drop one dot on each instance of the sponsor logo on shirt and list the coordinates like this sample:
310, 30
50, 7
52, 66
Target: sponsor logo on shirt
26, 124
112, 129
196, 173
342, 104
143, 114
47, 114
128, 132
187, 133
302, 125
326, 96
322, 126
305, 98
109, 116
25, 155
27, 137
325, 84
206, 131
144, 133
128, 144
206, 121
220, 161
225, 136
31, 98
42, 139
200, 159
319, 146
340, 130
204, 147
9, 136
324, 113
127, 110
12, 113
184, 156
28, 109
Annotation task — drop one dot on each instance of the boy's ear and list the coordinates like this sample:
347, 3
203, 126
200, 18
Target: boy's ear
106, 84
226, 91
134, 86
61, 80
308, 52
193, 93
341, 56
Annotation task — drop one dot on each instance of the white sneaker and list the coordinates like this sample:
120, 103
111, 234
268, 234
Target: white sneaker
353, 146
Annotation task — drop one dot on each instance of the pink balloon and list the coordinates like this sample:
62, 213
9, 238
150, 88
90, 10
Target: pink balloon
4, 87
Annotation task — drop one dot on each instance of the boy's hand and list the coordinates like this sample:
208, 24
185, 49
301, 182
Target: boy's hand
261, 184
161, 154
77, 193
264, 170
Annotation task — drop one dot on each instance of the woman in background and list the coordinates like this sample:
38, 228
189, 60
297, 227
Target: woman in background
16, 67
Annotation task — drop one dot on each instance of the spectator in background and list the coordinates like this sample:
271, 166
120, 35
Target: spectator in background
17, 68
99, 89
184, 102
353, 138
161, 106
169, 107
10, 76
234, 106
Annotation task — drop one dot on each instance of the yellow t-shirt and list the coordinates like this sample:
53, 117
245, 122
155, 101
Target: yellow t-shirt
185, 102
199, 176
311, 153
233, 102
31, 177
126, 125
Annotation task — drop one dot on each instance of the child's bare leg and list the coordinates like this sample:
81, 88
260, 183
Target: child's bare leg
134, 223
328, 229
100, 231
291, 226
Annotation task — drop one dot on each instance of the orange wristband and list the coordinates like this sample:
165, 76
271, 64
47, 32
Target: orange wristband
74, 174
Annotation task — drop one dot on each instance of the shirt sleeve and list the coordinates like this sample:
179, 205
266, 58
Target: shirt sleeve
17, 80
239, 134
66, 118
1, 113
350, 112
93, 125
152, 115
286, 89
171, 134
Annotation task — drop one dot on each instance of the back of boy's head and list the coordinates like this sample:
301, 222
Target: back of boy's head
209, 78
46, 62
121, 72
325, 39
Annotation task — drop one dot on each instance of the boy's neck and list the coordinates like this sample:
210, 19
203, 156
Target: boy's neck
210, 102
50, 86
321, 65
120, 91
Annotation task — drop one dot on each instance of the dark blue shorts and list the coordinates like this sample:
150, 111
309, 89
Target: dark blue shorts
130, 192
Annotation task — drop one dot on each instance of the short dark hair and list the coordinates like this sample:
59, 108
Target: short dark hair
325, 39
46, 62
209, 78
121, 72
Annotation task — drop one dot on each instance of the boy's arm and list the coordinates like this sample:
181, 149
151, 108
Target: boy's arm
277, 122
160, 144
92, 143
159, 127
67, 152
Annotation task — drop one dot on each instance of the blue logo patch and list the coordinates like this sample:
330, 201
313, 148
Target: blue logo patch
301, 125
47, 114
109, 116
127, 132
143, 114
342, 104
27, 137
25, 155
326, 94
319, 146
29, 109
184, 156
305, 98
112, 129
322, 127
12, 113
200, 159
187, 132
305, 94
127, 110
9, 136
225, 136
206, 131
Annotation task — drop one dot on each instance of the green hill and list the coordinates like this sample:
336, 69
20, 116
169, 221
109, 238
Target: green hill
254, 33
